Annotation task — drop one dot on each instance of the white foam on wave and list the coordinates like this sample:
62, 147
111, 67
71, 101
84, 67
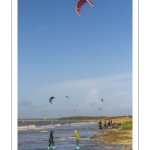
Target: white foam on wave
71, 138
51, 126
32, 127
82, 123
44, 131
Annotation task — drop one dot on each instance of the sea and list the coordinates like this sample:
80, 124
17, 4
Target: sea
34, 135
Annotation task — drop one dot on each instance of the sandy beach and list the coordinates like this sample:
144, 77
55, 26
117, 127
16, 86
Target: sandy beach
121, 135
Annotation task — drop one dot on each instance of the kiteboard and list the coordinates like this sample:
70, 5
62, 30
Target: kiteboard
77, 147
50, 148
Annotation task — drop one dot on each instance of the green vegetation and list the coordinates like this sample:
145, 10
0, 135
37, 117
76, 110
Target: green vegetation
126, 126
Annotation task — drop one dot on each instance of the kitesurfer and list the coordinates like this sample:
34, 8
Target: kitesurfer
77, 138
51, 140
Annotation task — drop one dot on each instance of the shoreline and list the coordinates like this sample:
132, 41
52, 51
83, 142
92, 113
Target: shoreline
121, 136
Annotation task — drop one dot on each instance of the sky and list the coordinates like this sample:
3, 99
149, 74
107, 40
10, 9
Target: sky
87, 58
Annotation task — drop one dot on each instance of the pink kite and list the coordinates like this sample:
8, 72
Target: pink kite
79, 5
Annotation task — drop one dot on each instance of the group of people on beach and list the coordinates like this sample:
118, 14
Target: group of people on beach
105, 124
51, 139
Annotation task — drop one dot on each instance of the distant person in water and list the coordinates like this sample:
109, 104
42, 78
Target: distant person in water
51, 140
77, 138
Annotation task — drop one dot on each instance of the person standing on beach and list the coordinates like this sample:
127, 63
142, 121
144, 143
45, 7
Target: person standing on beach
100, 125
105, 124
111, 122
51, 140
77, 138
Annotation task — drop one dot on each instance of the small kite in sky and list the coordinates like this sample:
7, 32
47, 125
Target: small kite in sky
50, 99
102, 100
79, 5
67, 97
45, 117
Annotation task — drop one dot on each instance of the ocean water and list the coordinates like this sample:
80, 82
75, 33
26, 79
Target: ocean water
34, 135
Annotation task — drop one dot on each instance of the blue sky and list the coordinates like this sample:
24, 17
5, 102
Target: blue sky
87, 58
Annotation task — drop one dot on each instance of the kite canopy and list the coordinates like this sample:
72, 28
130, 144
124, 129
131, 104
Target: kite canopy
50, 99
79, 5
45, 117
67, 97
102, 100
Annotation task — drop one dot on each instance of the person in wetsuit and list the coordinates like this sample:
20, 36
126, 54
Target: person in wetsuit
105, 124
51, 140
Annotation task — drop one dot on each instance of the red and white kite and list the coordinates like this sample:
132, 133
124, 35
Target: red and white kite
79, 5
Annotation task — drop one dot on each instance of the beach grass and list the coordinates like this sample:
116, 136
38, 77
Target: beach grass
126, 126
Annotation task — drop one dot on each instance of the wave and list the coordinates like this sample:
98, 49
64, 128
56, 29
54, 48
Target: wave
82, 123
46, 139
34, 127
71, 138
44, 131
28, 127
